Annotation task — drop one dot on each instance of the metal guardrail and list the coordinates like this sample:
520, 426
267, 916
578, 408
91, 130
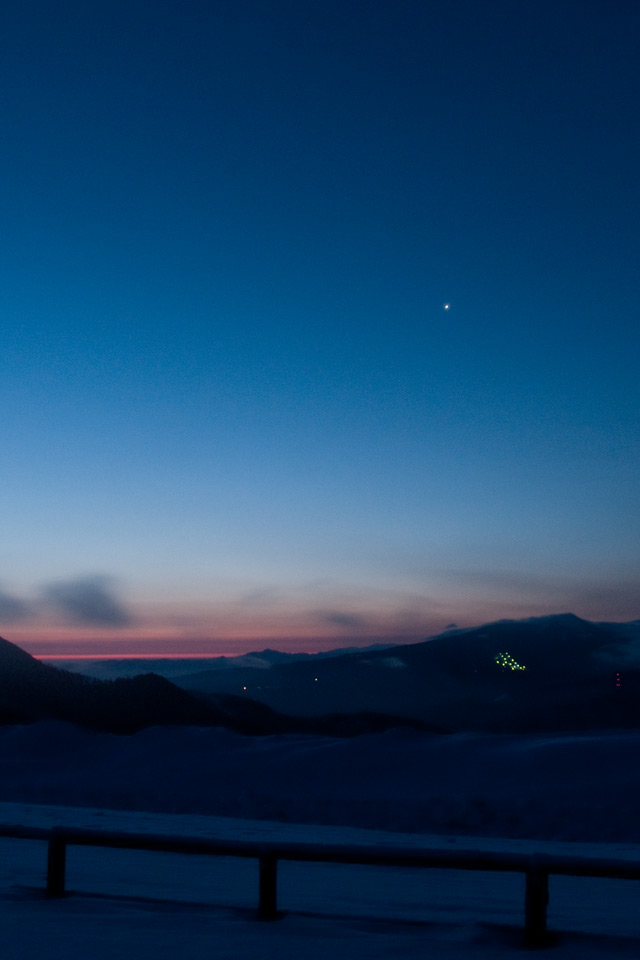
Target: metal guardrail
536, 867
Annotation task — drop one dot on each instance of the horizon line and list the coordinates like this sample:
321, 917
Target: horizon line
132, 656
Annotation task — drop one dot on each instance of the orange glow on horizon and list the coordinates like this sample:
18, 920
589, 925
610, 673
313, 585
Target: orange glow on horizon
160, 638
133, 656
159, 648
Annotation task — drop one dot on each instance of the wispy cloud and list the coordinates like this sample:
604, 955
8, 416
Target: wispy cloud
336, 618
530, 594
13, 609
88, 600
259, 597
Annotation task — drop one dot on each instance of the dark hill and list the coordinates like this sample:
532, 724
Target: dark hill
31, 690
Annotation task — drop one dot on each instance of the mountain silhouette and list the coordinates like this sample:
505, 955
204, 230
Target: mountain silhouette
577, 675
545, 674
31, 691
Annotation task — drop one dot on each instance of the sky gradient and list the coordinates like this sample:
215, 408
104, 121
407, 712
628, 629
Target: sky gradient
234, 408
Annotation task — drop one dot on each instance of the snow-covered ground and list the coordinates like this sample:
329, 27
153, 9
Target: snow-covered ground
565, 787
151, 905
516, 793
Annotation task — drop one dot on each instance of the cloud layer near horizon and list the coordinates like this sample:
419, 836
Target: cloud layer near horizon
91, 609
89, 601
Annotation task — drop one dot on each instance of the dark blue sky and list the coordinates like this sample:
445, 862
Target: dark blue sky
233, 404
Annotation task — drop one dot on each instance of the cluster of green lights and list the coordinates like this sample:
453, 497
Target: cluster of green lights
507, 661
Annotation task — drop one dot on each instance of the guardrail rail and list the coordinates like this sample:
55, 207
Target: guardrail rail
536, 867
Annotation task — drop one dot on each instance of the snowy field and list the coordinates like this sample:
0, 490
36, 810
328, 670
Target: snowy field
553, 788
573, 794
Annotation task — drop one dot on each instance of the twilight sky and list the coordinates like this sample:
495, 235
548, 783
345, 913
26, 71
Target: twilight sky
234, 409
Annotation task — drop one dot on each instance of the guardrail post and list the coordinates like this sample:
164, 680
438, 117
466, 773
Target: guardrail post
536, 900
268, 906
56, 865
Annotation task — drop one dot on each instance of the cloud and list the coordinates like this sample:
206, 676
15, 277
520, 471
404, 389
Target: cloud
507, 581
623, 654
335, 618
394, 662
558, 584
88, 600
259, 597
13, 609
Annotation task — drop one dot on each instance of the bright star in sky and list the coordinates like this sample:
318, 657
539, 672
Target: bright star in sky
309, 456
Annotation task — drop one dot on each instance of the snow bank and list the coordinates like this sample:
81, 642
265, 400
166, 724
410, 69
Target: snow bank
566, 788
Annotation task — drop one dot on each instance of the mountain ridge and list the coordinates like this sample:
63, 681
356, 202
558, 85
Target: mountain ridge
454, 681
31, 691
541, 674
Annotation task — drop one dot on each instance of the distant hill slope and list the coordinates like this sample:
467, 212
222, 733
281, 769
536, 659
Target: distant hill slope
578, 675
31, 690
175, 668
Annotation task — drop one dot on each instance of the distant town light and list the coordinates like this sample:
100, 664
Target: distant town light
508, 662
